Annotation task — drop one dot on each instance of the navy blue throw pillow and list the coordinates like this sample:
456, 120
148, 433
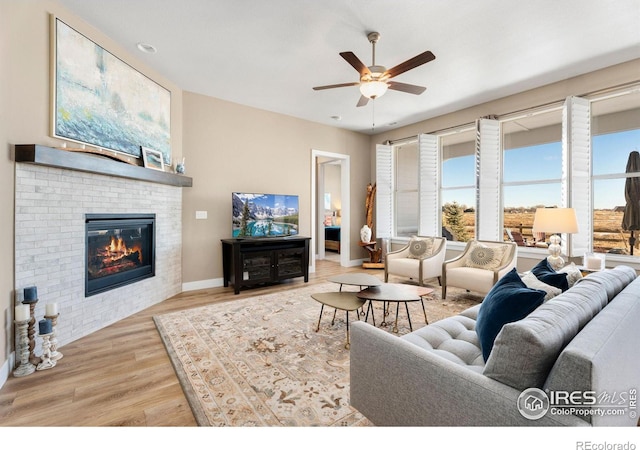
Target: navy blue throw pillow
508, 301
545, 273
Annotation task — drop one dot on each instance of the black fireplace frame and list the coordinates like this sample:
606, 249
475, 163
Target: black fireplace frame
109, 282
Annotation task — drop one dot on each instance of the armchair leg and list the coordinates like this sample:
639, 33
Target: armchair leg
440, 281
386, 277
444, 292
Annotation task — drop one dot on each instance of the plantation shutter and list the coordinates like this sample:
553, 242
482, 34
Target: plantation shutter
576, 172
488, 179
384, 191
429, 219
405, 189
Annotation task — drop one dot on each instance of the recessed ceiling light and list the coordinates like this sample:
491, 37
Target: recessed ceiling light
336, 117
393, 123
146, 48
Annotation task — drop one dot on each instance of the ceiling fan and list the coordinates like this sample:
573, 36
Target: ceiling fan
374, 80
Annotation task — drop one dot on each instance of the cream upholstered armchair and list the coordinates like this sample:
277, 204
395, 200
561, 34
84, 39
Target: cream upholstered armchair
420, 260
480, 266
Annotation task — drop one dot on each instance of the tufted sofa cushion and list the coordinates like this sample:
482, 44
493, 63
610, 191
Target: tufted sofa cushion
613, 281
525, 351
453, 338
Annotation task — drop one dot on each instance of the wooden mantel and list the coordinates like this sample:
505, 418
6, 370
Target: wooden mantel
84, 162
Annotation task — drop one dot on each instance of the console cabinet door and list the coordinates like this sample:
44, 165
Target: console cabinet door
289, 263
257, 267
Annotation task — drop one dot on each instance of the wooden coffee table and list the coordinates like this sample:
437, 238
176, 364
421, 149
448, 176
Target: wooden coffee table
398, 293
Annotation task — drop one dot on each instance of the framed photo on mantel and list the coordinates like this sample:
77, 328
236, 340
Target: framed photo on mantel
152, 159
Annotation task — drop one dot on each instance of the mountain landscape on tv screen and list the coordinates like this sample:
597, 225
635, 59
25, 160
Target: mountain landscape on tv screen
264, 215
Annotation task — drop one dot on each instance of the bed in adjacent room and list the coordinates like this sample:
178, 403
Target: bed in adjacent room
332, 238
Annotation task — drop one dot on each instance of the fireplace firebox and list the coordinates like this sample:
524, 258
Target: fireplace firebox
120, 250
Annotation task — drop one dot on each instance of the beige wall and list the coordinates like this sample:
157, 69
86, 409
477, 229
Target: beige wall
230, 147
25, 115
332, 186
583, 84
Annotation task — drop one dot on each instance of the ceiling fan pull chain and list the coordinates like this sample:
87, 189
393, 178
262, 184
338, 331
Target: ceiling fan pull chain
373, 115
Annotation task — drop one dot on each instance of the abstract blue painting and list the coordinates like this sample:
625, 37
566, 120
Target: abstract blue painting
102, 101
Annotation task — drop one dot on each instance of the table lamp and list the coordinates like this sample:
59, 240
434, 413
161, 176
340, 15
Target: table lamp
555, 220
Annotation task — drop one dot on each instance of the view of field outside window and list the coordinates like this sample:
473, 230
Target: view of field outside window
458, 192
615, 130
532, 171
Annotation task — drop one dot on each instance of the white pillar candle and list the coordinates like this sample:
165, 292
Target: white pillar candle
593, 263
51, 309
23, 313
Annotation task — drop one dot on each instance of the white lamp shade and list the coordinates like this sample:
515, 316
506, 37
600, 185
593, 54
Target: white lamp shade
555, 220
373, 89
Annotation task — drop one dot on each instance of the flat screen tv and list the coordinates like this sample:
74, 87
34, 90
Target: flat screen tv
264, 215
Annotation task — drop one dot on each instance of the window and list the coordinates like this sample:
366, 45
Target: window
532, 172
457, 191
434, 182
615, 134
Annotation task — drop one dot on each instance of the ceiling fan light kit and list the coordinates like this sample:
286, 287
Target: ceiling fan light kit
373, 89
374, 79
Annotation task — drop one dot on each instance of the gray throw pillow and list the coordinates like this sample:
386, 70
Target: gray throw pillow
573, 273
532, 282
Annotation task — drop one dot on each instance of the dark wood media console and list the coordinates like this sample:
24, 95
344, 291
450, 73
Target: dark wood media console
254, 261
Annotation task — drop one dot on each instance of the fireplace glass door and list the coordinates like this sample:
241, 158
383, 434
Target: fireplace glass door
120, 250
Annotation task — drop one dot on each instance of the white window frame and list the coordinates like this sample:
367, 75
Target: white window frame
634, 260
528, 251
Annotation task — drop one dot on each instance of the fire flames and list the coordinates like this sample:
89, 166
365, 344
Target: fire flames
117, 250
114, 258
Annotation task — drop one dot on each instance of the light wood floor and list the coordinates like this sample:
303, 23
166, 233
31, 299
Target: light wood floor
120, 375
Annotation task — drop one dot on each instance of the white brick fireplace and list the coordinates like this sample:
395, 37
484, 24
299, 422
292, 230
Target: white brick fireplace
50, 208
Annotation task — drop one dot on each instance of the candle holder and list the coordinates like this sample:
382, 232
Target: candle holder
46, 362
31, 332
55, 354
25, 368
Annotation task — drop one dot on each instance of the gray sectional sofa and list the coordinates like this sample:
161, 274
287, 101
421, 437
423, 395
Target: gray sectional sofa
583, 343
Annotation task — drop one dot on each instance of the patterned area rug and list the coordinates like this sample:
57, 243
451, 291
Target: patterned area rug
260, 362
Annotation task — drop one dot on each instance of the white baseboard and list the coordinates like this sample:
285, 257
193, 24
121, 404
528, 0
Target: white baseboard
355, 262
202, 284
5, 370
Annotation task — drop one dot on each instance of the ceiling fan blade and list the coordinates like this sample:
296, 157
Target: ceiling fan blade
363, 101
331, 86
404, 87
355, 62
409, 64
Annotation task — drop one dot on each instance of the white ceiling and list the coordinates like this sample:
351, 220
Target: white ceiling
269, 54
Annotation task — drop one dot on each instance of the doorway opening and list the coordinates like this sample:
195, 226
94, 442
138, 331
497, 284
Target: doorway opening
330, 213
